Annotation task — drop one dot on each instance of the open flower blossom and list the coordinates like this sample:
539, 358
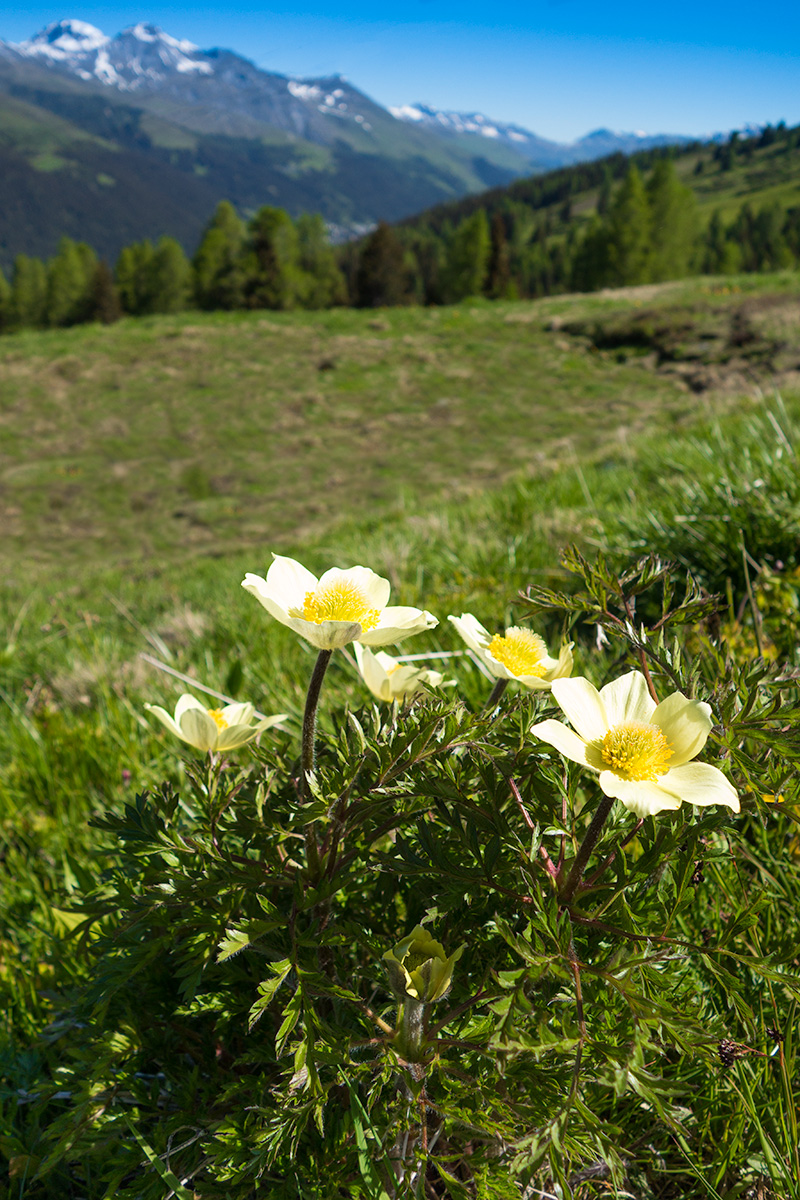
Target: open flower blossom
213, 728
518, 654
340, 607
419, 968
389, 679
641, 749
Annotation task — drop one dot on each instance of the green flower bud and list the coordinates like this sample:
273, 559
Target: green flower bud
419, 968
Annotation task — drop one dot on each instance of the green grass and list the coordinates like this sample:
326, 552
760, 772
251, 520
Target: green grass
147, 466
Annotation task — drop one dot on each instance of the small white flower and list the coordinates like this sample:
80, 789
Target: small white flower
389, 679
640, 749
212, 728
518, 653
340, 607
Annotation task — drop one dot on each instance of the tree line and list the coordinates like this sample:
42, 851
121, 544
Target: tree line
639, 229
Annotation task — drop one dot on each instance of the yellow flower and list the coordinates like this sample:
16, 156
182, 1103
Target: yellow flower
212, 728
518, 653
389, 679
640, 749
340, 607
418, 967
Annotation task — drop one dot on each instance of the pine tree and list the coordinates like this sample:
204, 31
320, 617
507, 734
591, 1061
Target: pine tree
28, 293
104, 302
218, 267
467, 259
604, 195
629, 232
272, 268
382, 279
673, 224
721, 255
498, 277
591, 267
320, 284
169, 278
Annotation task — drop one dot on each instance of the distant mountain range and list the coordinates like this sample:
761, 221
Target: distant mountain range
110, 139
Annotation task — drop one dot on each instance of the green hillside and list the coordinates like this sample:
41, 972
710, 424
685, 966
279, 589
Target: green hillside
79, 161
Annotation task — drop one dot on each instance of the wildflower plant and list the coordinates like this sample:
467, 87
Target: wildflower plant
438, 952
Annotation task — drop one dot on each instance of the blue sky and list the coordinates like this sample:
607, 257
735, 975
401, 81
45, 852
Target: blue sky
558, 67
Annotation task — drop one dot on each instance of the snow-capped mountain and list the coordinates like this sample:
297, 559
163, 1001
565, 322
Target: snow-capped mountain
537, 149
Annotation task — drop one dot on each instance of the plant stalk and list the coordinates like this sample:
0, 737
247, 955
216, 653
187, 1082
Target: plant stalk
495, 694
308, 754
587, 846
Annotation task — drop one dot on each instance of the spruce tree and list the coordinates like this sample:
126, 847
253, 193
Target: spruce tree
104, 302
28, 293
629, 232
133, 277
591, 266
272, 267
218, 267
382, 279
721, 255
169, 278
673, 224
320, 283
467, 259
69, 277
498, 276
5, 303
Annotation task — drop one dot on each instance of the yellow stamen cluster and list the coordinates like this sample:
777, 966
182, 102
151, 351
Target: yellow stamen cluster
636, 751
520, 651
217, 717
339, 602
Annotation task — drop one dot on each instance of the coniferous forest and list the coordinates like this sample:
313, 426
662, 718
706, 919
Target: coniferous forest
616, 222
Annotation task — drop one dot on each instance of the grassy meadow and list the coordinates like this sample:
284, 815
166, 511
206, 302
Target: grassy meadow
145, 466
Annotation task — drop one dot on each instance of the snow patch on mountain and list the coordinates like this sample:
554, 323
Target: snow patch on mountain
63, 41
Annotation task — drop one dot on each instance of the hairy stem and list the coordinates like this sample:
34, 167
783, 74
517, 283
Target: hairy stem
495, 694
587, 846
308, 756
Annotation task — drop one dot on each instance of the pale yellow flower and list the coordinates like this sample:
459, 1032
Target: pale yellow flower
213, 728
419, 968
640, 749
518, 654
342, 606
389, 679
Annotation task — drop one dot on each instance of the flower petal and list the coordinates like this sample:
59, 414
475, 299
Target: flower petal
233, 736
185, 702
582, 705
165, 718
700, 783
472, 632
288, 581
561, 667
563, 738
685, 724
373, 671
268, 722
396, 623
260, 589
199, 729
627, 699
237, 714
374, 588
641, 796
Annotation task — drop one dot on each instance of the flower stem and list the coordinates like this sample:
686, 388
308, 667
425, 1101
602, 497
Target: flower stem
587, 846
308, 754
495, 694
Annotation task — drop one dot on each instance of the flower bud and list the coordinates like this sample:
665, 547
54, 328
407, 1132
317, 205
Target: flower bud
418, 967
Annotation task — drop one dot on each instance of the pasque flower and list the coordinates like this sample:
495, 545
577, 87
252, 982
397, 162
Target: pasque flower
641, 750
389, 679
518, 653
213, 728
340, 607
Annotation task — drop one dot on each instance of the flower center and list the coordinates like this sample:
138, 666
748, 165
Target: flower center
340, 601
636, 751
520, 651
217, 717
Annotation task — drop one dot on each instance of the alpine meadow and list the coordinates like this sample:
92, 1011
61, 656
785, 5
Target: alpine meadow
399, 713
